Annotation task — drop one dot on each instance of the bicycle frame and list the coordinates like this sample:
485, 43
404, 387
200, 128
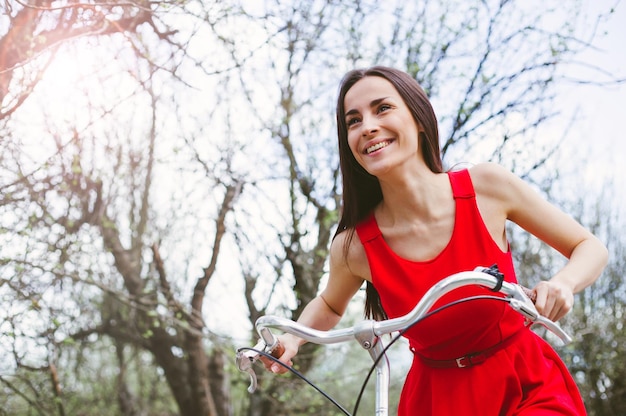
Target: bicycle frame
368, 332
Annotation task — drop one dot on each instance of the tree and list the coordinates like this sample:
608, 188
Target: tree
198, 165
597, 319
35, 33
91, 196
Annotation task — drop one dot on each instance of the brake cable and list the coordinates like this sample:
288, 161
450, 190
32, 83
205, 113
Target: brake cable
400, 333
380, 356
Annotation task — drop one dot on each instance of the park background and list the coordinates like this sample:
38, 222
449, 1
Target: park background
169, 173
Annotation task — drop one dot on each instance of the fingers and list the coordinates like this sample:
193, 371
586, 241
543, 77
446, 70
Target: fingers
554, 300
277, 368
287, 350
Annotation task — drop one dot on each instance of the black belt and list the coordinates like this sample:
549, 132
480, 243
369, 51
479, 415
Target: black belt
468, 360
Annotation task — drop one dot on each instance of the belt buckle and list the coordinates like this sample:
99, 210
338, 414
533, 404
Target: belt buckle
459, 362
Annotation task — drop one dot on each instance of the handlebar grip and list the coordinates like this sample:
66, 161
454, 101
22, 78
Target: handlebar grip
277, 350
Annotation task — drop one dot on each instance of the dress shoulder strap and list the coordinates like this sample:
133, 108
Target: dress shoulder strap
462, 186
367, 229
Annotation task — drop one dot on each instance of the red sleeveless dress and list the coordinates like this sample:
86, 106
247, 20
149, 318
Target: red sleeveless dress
522, 375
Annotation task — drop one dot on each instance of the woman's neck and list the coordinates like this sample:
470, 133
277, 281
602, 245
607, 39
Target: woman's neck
414, 196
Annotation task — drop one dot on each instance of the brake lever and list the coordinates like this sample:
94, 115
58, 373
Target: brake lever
522, 303
246, 357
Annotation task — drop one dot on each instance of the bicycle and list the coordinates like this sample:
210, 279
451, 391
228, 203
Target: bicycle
369, 332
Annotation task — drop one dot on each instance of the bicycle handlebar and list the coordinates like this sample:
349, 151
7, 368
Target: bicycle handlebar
368, 331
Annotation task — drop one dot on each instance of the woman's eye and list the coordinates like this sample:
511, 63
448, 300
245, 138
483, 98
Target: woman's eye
352, 121
384, 107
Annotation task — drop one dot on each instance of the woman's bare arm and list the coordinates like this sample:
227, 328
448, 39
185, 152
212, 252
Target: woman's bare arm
326, 310
522, 205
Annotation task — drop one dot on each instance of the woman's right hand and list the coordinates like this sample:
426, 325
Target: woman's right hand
291, 345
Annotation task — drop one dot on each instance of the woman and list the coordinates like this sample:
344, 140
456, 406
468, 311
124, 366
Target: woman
406, 224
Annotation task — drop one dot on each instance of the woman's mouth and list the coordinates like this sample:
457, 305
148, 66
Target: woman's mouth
377, 146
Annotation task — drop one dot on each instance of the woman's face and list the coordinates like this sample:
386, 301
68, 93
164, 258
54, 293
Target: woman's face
382, 133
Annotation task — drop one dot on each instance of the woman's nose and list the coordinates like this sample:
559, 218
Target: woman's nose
368, 126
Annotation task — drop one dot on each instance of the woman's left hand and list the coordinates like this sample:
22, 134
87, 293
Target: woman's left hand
554, 299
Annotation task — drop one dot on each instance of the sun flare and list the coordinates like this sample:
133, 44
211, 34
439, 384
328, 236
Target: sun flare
67, 82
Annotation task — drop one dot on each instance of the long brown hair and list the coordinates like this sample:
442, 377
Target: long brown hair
361, 190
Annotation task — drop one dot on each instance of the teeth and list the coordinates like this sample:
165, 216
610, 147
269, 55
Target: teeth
376, 147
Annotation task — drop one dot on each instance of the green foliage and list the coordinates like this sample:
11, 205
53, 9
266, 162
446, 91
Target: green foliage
90, 385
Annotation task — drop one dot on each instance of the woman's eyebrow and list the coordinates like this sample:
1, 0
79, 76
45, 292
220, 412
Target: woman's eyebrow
373, 103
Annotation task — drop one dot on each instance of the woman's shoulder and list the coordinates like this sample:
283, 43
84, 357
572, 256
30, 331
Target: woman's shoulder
347, 251
488, 172
346, 247
492, 179
500, 187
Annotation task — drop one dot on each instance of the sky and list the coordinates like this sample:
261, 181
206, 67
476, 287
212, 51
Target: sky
603, 109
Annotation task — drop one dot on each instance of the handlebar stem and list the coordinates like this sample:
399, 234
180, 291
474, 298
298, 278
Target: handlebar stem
377, 352
364, 334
